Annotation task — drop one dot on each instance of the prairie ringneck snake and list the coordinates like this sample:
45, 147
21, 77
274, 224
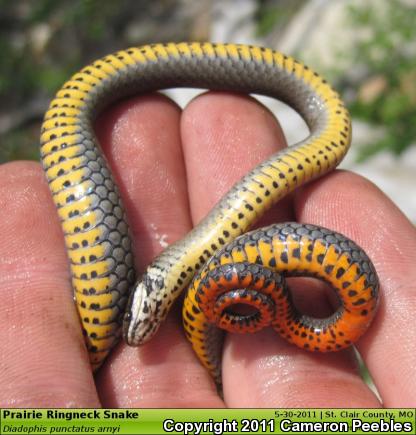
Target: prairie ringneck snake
245, 270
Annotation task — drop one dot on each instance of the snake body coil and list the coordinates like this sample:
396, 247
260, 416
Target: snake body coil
251, 270
92, 215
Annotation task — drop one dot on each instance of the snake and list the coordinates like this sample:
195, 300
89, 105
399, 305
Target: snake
218, 263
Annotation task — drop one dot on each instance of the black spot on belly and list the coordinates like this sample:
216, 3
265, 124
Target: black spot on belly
340, 272
329, 269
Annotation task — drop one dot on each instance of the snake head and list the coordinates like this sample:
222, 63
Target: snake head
142, 317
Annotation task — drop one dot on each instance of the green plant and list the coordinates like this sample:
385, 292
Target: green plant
272, 14
387, 94
43, 42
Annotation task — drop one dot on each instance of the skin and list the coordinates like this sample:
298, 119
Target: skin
214, 141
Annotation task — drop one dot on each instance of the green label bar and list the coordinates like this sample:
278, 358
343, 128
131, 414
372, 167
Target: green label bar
207, 421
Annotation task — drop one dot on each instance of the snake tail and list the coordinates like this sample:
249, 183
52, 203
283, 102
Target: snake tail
251, 271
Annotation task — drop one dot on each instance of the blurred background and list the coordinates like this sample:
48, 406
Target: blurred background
367, 50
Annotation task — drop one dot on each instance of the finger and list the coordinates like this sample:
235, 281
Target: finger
287, 376
238, 381
281, 375
355, 207
141, 138
226, 135
43, 358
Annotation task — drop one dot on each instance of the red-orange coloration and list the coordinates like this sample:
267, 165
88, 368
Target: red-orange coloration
281, 250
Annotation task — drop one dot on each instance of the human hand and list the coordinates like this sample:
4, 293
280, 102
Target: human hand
151, 145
